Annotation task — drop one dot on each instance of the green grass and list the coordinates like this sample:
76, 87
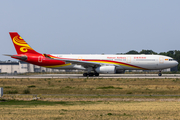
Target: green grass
109, 87
15, 102
89, 110
26, 91
31, 86
35, 102
7, 87
92, 86
92, 98
12, 92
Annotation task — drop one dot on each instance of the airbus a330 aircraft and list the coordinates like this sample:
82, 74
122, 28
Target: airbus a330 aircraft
92, 64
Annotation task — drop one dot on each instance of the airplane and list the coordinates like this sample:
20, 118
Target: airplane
93, 65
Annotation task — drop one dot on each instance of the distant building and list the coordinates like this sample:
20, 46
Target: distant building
9, 67
174, 68
23, 67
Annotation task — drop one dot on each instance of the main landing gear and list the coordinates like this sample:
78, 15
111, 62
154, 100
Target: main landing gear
90, 74
160, 74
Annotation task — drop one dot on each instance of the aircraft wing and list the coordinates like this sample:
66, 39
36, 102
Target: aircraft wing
75, 61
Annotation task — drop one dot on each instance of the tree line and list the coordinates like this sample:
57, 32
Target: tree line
175, 54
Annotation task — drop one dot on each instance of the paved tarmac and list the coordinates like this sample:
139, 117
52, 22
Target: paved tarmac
100, 76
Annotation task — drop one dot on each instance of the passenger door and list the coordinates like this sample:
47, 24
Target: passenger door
161, 60
128, 59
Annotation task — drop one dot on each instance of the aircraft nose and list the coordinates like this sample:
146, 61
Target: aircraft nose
176, 63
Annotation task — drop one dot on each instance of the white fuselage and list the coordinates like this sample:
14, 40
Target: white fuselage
123, 62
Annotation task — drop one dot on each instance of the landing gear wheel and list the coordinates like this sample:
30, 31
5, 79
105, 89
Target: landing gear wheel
96, 74
91, 74
160, 74
85, 74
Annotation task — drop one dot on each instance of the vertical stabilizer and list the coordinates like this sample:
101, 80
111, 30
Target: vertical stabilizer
20, 45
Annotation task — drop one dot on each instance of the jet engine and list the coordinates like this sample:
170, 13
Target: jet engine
108, 70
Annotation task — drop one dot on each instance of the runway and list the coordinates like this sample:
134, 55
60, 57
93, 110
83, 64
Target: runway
100, 76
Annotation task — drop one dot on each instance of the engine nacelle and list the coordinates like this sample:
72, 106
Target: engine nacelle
109, 70
106, 69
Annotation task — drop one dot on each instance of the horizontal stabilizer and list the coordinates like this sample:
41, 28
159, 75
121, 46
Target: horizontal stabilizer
23, 57
7, 55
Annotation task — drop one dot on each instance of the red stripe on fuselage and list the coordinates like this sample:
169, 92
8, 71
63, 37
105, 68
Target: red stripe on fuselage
40, 60
115, 62
99, 61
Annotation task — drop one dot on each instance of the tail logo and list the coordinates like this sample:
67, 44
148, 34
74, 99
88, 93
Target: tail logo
24, 47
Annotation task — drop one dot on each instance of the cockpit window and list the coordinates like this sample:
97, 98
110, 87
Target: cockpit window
171, 60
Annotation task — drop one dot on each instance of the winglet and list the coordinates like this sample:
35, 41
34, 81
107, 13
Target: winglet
20, 45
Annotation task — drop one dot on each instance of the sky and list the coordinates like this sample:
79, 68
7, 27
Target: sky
90, 26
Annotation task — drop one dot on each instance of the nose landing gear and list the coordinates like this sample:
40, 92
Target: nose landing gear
160, 74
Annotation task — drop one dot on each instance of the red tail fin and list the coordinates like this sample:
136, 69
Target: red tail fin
21, 46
